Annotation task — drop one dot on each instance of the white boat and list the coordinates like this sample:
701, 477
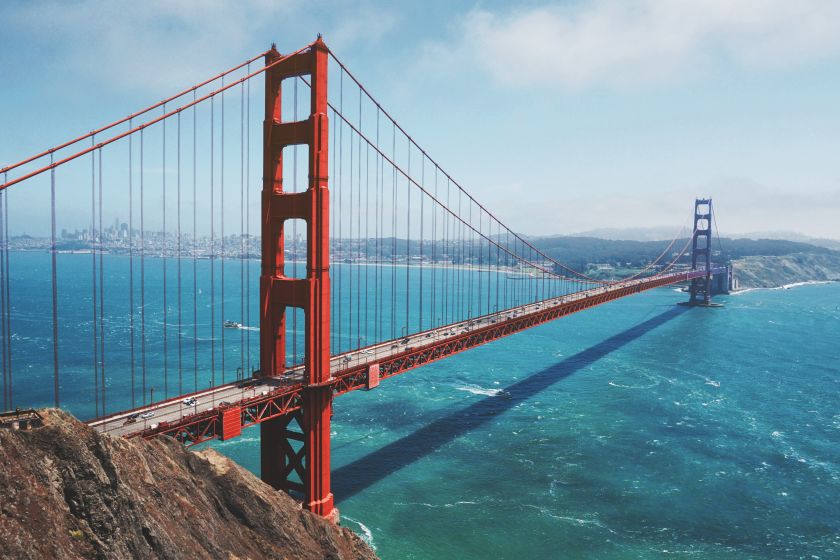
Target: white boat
232, 325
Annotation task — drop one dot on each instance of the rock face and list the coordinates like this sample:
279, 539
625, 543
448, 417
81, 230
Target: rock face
775, 271
68, 492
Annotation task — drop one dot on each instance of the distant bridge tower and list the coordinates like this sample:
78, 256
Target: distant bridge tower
701, 253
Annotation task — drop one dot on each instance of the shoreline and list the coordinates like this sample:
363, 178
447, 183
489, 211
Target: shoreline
784, 286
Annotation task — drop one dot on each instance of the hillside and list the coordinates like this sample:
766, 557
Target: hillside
68, 492
579, 252
775, 271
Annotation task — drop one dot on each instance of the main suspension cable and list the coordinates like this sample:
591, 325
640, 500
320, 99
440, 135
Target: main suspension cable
131, 116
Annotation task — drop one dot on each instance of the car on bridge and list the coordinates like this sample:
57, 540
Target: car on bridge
147, 414
190, 401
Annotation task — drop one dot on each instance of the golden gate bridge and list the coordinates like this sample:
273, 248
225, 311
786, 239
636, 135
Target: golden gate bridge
374, 261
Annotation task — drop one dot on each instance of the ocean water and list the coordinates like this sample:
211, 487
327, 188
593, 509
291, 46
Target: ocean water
639, 429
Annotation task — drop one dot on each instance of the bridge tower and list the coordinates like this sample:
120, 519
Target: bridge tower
295, 449
701, 253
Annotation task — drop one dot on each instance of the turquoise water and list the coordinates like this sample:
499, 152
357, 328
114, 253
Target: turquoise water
638, 429
635, 430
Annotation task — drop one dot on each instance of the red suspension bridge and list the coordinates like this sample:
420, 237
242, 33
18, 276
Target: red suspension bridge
373, 261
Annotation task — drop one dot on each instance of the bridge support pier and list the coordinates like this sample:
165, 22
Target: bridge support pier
281, 461
291, 460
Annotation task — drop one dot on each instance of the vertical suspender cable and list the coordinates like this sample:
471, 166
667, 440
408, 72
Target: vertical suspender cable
340, 170
242, 227
463, 262
434, 255
142, 277
349, 257
480, 252
359, 231
8, 299
507, 264
101, 293
212, 244
94, 294
377, 209
248, 219
334, 235
163, 262
54, 287
3, 277
489, 250
367, 245
131, 260
498, 258
447, 296
407, 240
422, 196
180, 256
195, 250
222, 220
394, 235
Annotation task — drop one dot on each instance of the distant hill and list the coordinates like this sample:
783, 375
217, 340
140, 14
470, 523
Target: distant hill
663, 232
775, 271
629, 234
794, 236
580, 252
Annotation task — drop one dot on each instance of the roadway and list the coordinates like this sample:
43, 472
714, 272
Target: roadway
137, 420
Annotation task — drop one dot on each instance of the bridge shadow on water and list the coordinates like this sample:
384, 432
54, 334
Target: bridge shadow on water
362, 473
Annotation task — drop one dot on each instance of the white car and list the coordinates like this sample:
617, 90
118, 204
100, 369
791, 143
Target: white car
190, 401
147, 414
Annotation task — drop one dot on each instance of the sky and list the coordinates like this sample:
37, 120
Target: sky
559, 116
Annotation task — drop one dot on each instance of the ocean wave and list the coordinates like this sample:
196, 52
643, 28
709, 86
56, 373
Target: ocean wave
236, 442
783, 287
613, 384
808, 283
478, 390
576, 520
437, 506
367, 534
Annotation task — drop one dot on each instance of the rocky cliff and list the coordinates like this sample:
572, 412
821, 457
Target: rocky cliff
776, 271
68, 492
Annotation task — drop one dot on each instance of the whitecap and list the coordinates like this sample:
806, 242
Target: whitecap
576, 520
478, 390
613, 384
367, 534
236, 442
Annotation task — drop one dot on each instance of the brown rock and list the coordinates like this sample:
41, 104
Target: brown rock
69, 492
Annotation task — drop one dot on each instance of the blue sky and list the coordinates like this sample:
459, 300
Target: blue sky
562, 116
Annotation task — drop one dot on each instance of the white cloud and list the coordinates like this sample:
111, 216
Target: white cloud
741, 205
158, 46
155, 45
625, 42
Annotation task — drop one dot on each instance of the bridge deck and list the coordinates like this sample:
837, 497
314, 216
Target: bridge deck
261, 399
